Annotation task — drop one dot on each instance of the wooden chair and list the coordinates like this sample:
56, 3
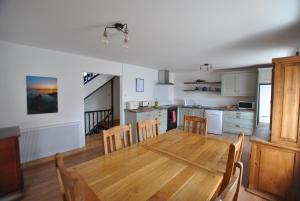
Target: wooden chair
148, 129
195, 124
71, 184
231, 192
234, 155
85, 192
59, 162
116, 138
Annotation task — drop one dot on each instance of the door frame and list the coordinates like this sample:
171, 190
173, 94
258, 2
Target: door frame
258, 101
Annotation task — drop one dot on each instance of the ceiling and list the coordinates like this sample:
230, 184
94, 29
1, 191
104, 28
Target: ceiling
169, 34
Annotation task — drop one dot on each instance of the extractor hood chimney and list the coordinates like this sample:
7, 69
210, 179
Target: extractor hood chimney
164, 77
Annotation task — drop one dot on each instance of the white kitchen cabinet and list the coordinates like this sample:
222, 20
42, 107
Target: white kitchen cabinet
228, 84
214, 121
265, 75
246, 83
240, 83
238, 121
188, 111
134, 117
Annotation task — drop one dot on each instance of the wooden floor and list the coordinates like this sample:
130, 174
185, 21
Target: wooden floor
41, 184
94, 141
40, 181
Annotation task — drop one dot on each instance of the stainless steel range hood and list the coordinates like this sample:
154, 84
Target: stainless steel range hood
164, 77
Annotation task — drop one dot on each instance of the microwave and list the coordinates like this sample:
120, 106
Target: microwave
246, 105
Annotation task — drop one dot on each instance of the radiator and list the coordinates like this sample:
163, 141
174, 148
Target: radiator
45, 141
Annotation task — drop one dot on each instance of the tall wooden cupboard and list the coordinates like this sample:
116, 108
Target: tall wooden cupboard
275, 165
286, 100
11, 179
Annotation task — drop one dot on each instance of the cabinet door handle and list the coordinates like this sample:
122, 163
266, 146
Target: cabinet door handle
237, 126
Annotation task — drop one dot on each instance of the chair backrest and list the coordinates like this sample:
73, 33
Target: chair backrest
68, 184
59, 161
86, 193
116, 138
74, 187
148, 129
234, 155
231, 192
195, 124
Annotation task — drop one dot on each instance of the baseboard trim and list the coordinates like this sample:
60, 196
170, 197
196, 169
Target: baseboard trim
51, 158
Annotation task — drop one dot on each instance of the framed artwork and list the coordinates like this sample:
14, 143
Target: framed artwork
139, 85
41, 95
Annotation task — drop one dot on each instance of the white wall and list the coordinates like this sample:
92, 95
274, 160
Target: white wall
17, 61
130, 73
117, 98
96, 83
201, 98
101, 99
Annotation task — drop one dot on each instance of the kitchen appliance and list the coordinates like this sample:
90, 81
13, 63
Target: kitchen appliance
246, 105
143, 103
164, 77
215, 121
132, 105
172, 118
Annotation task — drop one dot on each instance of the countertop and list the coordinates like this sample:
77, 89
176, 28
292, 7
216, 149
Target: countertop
164, 107
145, 109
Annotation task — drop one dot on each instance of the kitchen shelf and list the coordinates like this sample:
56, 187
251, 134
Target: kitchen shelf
202, 82
193, 90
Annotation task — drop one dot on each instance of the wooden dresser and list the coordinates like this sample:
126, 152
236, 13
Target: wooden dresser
275, 165
11, 179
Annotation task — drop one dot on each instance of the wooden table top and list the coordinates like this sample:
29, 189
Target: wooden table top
206, 152
166, 168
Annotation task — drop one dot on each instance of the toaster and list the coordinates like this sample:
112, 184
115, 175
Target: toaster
132, 105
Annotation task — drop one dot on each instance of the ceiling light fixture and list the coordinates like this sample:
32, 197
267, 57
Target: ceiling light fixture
120, 27
206, 67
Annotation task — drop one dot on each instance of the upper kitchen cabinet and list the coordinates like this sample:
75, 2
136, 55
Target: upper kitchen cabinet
285, 101
228, 84
239, 83
265, 75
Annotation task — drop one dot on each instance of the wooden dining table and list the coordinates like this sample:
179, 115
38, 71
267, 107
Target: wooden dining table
176, 165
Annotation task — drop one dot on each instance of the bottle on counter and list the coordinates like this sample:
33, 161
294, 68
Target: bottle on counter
156, 103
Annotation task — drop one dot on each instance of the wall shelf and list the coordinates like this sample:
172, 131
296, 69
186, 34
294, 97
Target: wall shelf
199, 89
202, 82
193, 90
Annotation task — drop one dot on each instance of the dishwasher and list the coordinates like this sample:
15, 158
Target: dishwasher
215, 121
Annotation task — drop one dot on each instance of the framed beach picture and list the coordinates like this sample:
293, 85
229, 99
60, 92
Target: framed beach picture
41, 95
139, 85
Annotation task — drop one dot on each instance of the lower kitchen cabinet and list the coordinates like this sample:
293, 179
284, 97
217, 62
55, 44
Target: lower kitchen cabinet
188, 111
238, 121
275, 170
134, 117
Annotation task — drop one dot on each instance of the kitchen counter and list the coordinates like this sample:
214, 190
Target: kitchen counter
145, 109
222, 108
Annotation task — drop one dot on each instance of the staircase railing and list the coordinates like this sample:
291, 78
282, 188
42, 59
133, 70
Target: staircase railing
89, 76
97, 120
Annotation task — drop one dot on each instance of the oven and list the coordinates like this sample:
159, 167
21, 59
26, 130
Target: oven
172, 118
